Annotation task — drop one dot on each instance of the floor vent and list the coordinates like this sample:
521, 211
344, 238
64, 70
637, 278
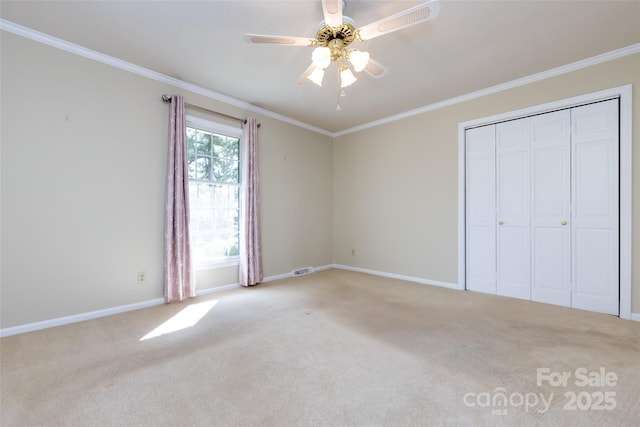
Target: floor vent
303, 271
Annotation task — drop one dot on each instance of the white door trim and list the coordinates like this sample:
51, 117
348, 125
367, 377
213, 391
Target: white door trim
624, 94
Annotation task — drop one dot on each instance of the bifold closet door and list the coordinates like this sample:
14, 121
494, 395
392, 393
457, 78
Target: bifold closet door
551, 208
542, 208
480, 209
595, 188
513, 146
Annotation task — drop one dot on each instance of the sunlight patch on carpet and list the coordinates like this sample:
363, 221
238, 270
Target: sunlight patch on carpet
186, 318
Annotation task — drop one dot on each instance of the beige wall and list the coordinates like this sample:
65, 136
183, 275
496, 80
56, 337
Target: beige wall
396, 184
84, 158
83, 163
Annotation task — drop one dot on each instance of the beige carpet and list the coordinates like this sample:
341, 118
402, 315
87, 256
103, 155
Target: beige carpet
333, 348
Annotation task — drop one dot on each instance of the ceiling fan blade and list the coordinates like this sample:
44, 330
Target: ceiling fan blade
303, 79
332, 10
375, 69
283, 40
412, 16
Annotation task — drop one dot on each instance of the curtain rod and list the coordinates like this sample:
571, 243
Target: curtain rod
167, 98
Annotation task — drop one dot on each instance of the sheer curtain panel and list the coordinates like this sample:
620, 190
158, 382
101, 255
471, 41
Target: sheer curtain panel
250, 268
179, 281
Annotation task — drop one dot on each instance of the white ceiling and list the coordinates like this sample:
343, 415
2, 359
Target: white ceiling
471, 46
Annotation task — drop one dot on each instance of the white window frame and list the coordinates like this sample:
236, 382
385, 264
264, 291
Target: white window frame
219, 128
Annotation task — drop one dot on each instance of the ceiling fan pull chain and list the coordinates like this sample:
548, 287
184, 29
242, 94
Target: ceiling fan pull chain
340, 91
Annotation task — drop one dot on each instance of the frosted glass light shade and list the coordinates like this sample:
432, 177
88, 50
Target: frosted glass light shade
316, 76
321, 57
359, 60
346, 77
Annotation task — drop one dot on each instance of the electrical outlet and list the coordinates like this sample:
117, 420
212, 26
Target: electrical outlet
142, 276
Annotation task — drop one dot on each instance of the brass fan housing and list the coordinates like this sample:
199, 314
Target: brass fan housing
336, 38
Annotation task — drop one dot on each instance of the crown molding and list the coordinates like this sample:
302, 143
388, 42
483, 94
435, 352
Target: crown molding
574, 66
145, 72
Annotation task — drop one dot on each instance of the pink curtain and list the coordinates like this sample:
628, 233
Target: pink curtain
250, 241
179, 280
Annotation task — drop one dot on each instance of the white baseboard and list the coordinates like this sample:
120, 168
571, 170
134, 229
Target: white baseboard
277, 277
30, 327
399, 277
45, 324
287, 275
217, 289
634, 316
36, 326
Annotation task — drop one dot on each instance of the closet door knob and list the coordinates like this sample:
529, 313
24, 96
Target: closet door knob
501, 222
564, 223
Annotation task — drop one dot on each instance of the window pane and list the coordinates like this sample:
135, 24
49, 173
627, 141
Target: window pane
191, 140
233, 144
191, 149
235, 158
203, 168
214, 203
234, 197
220, 198
191, 166
204, 143
230, 160
205, 196
219, 169
234, 171
218, 144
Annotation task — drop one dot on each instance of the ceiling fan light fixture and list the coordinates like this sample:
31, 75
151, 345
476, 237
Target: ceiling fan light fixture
316, 76
321, 57
346, 77
335, 34
358, 59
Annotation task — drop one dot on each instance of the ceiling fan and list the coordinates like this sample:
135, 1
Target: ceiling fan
336, 33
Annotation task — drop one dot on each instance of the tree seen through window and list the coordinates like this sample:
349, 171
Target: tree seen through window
214, 194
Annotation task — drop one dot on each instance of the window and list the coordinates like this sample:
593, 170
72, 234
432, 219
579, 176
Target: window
214, 192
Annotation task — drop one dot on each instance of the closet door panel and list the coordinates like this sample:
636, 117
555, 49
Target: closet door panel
551, 208
480, 210
513, 208
595, 145
593, 264
513, 262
